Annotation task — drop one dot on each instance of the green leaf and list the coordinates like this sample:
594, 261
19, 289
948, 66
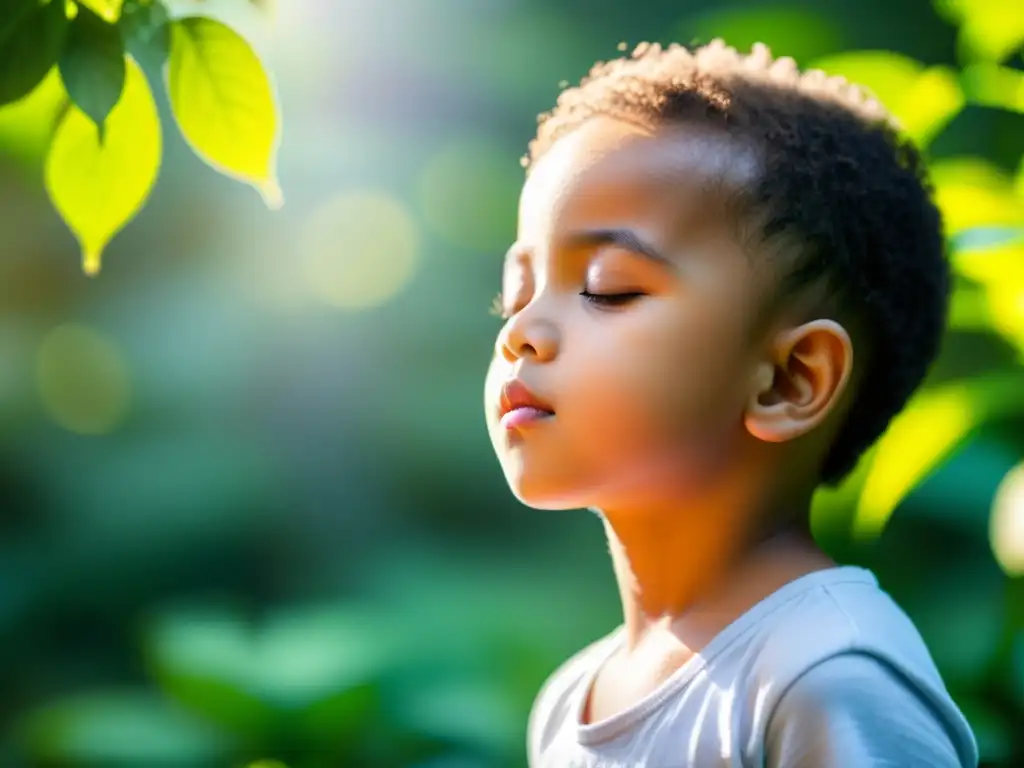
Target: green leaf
990, 85
97, 188
972, 192
31, 37
923, 100
295, 661
997, 264
930, 104
224, 103
122, 728
1006, 307
12, 15
788, 29
146, 30
92, 66
993, 258
469, 712
968, 309
202, 659
832, 508
26, 126
989, 29
108, 10
924, 434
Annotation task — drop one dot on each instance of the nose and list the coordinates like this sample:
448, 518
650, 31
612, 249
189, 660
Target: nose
526, 334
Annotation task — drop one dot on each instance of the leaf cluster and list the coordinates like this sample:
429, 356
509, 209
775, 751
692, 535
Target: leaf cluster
104, 156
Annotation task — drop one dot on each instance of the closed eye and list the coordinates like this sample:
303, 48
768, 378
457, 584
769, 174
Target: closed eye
611, 299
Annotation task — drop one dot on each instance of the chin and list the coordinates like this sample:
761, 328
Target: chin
543, 502
541, 493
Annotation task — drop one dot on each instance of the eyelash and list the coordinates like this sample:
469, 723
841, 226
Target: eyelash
610, 299
497, 308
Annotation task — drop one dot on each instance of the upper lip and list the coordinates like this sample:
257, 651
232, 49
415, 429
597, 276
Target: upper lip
515, 394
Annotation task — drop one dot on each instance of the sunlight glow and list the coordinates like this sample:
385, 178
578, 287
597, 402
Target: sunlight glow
467, 193
359, 249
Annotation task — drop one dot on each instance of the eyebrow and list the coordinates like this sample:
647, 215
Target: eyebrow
597, 238
623, 238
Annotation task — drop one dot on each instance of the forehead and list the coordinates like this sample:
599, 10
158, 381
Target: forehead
609, 173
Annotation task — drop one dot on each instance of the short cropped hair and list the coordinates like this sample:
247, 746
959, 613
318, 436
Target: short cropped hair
842, 202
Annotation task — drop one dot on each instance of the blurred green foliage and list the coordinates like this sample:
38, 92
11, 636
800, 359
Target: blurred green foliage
250, 512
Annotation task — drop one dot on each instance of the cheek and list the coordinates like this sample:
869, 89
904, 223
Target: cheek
670, 385
497, 372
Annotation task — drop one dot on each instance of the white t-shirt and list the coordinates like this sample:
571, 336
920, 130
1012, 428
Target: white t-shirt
826, 672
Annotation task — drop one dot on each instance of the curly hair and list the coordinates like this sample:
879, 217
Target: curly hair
842, 202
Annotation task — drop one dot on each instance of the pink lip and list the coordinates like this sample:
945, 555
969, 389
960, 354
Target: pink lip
524, 416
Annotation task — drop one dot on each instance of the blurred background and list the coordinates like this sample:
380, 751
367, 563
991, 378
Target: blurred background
248, 507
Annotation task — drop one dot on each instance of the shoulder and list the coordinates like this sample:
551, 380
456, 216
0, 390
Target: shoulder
553, 708
843, 612
857, 709
843, 663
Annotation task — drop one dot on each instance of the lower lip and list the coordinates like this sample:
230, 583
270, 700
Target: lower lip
521, 417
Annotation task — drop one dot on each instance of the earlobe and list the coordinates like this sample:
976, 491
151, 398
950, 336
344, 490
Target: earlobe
802, 381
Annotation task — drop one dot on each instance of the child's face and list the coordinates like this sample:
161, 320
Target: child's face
648, 393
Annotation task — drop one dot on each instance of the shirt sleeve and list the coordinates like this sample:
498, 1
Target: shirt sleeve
855, 711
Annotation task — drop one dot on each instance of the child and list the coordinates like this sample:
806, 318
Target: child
729, 276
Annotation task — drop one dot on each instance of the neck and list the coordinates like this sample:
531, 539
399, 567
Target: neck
671, 559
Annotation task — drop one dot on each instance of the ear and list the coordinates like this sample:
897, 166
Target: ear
801, 382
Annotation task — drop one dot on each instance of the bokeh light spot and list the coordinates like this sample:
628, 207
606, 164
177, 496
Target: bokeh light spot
1006, 525
83, 381
468, 193
359, 250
